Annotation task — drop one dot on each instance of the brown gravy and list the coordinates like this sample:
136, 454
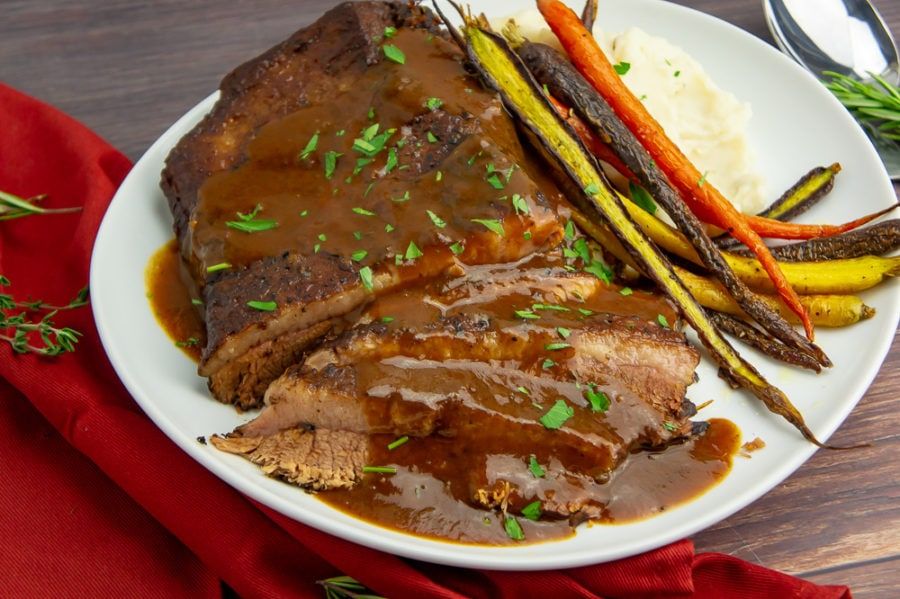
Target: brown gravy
428, 494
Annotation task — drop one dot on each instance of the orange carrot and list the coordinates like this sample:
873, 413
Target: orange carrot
700, 196
777, 229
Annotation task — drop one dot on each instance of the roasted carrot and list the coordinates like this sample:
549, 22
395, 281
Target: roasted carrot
701, 197
777, 229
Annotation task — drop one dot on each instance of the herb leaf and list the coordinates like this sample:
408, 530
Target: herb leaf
557, 415
622, 68
263, 306
310, 146
536, 469
437, 220
394, 53
532, 511
365, 275
491, 224
513, 528
412, 251
598, 399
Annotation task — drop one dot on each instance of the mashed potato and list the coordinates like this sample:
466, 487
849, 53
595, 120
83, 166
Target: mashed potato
706, 122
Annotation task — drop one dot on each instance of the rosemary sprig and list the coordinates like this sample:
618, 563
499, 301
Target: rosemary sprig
12, 206
876, 106
345, 587
21, 330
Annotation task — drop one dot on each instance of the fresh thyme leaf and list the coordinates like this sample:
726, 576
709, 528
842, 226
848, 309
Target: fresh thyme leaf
513, 528
412, 251
13, 206
598, 399
310, 146
433, 103
437, 220
394, 53
263, 306
532, 511
536, 470
24, 332
344, 587
491, 224
395, 444
557, 415
622, 68
358, 255
365, 275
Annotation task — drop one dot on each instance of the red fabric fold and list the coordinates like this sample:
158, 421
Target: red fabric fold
108, 505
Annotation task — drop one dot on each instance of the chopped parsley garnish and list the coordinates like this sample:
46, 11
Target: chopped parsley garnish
379, 470
523, 390
390, 31
433, 103
553, 307
598, 399
218, 267
432, 139
527, 314
438, 176
592, 188
357, 235
388, 228
248, 223
189, 342
580, 247
536, 470
370, 131
368, 188
670, 426
626, 291
437, 220
519, 204
640, 197
412, 251
370, 144
585, 311
457, 248
304, 213
491, 224
532, 511
263, 306
563, 332
310, 146
358, 255
196, 302
513, 528
546, 90
371, 113
403, 198
547, 364
623, 67
394, 53
569, 231
391, 162
526, 235
702, 180
599, 270
340, 133
495, 181
662, 320
387, 319
316, 248
363, 211
322, 237
331, 159
395, 444
557, 415
361, 163
678, 73
557, 346
365, 275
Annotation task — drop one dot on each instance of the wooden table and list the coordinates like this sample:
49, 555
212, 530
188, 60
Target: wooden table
130, 68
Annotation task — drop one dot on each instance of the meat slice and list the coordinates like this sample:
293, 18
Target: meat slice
314, 460
412, 169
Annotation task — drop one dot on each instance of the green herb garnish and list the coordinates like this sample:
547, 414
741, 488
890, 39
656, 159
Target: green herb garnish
433, 103
513, 528
536, 470
379, 470
491, 224
437, 220
662, 320
331, 159
365, 275
394, 53
390, 31
395, 444
519, 204
412, 251
598, 399
640, 197
592, 188
557, 415
626, 291
532, 511
310, 146
363, 211
622, 68
557, 346
263, 306
563, 332
457, 248
547, 364
527, 314
218, 267
358, 255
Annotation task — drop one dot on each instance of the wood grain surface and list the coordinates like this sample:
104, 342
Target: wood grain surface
130, 68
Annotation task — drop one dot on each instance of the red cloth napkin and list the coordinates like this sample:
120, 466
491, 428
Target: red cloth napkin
105, 504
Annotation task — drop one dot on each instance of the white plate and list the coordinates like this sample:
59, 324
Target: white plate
797, 125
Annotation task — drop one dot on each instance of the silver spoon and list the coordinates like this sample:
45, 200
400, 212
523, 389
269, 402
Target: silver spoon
845, 36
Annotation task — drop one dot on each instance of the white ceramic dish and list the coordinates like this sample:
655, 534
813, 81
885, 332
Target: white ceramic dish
797, 125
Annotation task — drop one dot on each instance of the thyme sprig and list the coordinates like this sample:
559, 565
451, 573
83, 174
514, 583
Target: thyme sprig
876, 105
13, 206
22, 329
345, 587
